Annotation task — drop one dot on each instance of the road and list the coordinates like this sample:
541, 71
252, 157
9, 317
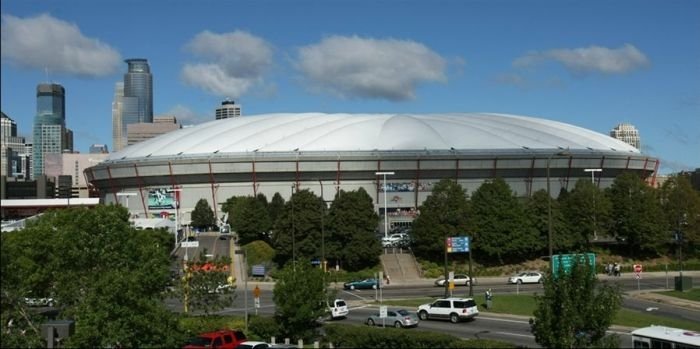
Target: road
491, 326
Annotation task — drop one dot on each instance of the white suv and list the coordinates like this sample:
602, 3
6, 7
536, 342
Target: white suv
338, 309
453, 309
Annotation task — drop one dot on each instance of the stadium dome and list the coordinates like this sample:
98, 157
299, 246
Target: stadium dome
280, 153
312, 132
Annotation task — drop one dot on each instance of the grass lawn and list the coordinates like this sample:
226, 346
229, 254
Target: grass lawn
692, 295
524, 305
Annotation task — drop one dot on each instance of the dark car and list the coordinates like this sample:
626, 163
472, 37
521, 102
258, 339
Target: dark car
361, 284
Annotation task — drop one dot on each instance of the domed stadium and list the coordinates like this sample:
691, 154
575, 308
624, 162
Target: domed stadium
325, 153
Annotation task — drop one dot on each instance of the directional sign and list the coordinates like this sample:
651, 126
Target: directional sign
382, 311
457, 244
189, 244
565, 261
257, 302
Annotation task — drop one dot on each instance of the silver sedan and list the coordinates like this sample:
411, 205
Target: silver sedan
398, 318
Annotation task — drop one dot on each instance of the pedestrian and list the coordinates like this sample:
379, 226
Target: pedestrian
489, 297
388, 279
617, 270
610, 269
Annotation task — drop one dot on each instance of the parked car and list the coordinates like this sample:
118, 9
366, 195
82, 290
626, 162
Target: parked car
338, 309
459, 279
39, 302
398, 318
395, 240
453, 309
528, 277
361, 284
222, 339
253, 345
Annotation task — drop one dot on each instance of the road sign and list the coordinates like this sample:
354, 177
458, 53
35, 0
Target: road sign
457, 244
382, 311
257, 302
189, 244
565, 261
637, 268
451, 280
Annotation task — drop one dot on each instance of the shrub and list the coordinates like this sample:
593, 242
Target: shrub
194, 325
263, 328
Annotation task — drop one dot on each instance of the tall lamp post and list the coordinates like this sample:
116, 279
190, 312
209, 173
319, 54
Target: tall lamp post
549, 210
595, 225
177, 221
294, 249
386, 216
245, 282
323, 233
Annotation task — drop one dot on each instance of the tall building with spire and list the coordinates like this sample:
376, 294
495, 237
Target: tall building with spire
627, 133
49, 134
228, 109
137, 97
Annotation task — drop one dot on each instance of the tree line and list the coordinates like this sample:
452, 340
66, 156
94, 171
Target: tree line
504, 228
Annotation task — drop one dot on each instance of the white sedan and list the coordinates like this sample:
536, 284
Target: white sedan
529, 277
459, 279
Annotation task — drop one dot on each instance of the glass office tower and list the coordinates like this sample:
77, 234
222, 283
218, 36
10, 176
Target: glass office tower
49, 124
137, 101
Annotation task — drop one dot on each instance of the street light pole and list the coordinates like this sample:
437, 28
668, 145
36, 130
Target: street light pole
245, 283
127, 199
323, 233
177, 221
294, 250
595, 224
386, 215
549, 211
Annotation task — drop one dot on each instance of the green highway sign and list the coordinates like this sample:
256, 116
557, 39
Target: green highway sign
565, 261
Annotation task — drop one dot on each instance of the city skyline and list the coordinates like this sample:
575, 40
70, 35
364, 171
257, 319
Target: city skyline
593, 65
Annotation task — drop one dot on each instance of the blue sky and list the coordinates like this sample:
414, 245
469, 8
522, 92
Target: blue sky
593, 64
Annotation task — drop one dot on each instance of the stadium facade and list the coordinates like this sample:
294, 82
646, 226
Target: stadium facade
328, 152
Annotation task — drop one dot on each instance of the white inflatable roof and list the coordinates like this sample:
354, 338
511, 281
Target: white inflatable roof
291, 132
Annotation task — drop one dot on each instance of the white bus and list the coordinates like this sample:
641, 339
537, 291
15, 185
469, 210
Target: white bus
665, 337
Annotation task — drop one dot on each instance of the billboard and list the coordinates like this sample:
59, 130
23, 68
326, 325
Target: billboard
160, 198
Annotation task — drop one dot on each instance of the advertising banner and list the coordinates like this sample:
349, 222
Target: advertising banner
160, 198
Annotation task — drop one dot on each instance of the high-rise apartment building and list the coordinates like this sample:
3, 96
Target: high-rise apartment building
142, 131
137, 98
228, 109
627, 133
12, 149
49, 124
117, 132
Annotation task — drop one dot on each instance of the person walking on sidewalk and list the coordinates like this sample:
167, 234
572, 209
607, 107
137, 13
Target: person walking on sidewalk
489, 297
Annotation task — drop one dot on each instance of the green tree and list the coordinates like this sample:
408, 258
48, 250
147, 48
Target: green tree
444, 213
637, 215
203, 216
249, 219
681, 205
587, 212
502, 229
275, 208
298, 229
206, 285
575, 310
300, 300
104, 274
537, 209
350, 229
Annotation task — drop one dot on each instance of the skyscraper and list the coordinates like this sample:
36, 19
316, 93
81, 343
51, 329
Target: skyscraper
137, 100
49, 124
117, 132
627, 133
228, 109
11, 148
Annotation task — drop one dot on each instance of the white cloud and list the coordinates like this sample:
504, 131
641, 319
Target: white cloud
235, 62
370, 68
46, 42
593, 59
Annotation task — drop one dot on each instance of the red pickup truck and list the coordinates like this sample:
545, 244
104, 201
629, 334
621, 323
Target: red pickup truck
222, 339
